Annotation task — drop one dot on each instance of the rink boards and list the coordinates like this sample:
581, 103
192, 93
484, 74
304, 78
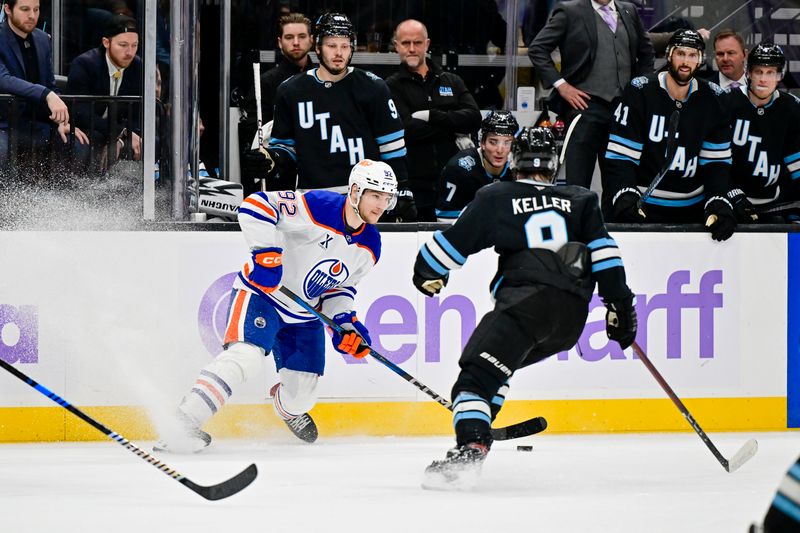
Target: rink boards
119, 323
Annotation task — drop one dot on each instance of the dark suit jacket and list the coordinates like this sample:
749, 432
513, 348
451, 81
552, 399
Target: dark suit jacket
88, 75
12, 71
573, 30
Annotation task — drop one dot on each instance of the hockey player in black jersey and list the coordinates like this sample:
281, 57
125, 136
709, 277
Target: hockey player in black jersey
696, 181
329, 118
766, 136
553, 248
471, 169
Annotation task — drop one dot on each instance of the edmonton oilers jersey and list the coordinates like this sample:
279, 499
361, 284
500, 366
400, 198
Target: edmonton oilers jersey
329, 127
461, 178
638, 142
766, 144
322, 261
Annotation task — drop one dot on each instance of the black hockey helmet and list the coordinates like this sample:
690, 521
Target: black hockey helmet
334, 25
686, 38
766, 55
535, 152
499, 123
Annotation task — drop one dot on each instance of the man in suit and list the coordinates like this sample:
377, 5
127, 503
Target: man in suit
26, 71
730, 55
112, 69
603, 46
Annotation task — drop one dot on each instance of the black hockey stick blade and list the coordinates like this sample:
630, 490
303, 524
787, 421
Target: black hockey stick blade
672, 147
226, 488
521, 429
214, 492
745, 453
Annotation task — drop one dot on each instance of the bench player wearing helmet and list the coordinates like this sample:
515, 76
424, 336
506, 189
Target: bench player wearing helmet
319, 244
553, 248
471, 169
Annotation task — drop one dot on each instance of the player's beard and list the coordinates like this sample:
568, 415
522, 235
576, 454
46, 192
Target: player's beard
679, 77
330, 68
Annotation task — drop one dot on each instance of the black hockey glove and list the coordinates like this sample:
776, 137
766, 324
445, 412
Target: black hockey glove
720, 219
258, 164
430, 287
742, 208
621, 321
626, 207
404, 211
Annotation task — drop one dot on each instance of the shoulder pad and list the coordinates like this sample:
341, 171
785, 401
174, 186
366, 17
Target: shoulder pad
717, 89
639, 81
467, 162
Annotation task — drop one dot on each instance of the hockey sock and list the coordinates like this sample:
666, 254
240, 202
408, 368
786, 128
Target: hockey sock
472, 419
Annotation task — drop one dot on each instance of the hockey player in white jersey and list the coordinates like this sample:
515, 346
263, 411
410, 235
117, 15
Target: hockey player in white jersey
327, 243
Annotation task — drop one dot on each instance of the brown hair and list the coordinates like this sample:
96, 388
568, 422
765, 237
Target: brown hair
729, 32
294, 18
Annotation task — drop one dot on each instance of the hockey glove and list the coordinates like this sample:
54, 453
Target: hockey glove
259, 164
404, 211
353, 338
267, 269
621, 321
742, 208
720, 219
429, 287
626, 207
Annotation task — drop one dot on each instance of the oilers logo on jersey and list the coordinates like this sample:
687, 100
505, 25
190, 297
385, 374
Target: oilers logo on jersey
323, 276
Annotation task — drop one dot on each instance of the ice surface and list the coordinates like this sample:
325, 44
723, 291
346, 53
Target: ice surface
569, 483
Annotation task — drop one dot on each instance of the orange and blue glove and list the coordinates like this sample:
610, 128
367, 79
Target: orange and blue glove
267, 269
353, 338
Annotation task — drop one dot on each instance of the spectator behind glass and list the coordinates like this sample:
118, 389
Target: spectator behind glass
26, 71
437, 111
294, 43
112, 69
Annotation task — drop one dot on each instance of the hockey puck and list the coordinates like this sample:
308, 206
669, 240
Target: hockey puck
524, 448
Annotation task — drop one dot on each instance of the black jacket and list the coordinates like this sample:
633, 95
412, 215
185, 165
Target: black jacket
270, 80
452, 110
88, 75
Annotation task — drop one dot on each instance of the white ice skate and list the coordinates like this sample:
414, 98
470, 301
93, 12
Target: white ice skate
182, 437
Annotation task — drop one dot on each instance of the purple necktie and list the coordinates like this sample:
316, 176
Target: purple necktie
735, 85
609, 16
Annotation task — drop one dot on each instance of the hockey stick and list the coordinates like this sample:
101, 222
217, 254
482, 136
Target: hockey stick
745, 453
777, 208
514, 431
672, 146
560, 172
259, 114
213, 492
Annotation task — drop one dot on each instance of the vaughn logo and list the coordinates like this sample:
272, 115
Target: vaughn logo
19, 334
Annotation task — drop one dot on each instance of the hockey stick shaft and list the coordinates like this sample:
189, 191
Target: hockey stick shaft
747, 451
777, 208
522, 429
215, 492
259, 114
672, 146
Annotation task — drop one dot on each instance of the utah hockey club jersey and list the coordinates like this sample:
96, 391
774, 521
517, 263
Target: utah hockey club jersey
461, 178
520, 215
329, 127
638, 142
766, 140
322, 261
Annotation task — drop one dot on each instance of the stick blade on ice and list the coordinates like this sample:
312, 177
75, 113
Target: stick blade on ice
745, 453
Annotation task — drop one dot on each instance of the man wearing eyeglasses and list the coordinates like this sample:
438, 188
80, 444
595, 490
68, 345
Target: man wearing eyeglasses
437, 110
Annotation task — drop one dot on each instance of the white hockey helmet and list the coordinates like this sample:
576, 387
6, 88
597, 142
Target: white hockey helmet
375, 175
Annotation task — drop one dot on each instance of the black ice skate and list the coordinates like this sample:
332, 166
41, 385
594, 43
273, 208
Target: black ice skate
302, 426
459, 469
184, 437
